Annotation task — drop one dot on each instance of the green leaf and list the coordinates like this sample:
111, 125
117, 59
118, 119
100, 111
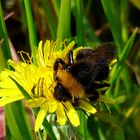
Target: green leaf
82, 129
32, 29
118, 133
63, 30
18, 125
123, 56
18, 122
117, 130
108, 118
56, 6
46, 124
113, 17
89, 31
123, 19
79, 23
2, 60
4, 49
136, 3
127, 47
51, 22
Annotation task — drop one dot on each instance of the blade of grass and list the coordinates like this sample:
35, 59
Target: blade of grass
101, 135
123, 18
89, 31
127, 47
117, 20
123, 57
18, 122
51, 20
79, 23
31, 28
5, 50
82, 129
136, 3
63, 30
15, 114
126, 80
124, 33
88, 6
2, 60
132, 109
46, 125
113, 17
56, 6
23, 15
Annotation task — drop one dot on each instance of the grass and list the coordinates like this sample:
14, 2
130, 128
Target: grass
88, 23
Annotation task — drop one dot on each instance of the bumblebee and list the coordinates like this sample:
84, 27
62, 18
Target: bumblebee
81, 77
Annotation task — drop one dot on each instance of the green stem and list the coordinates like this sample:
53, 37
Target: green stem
56, 4
46, 125
32, 29
4, 49
18, 126
51, 22
83, 125
131, 110
123, 18
124, 55
63, 30
113, 17
79, 23
18, 122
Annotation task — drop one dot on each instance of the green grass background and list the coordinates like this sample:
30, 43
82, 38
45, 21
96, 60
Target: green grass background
89, 23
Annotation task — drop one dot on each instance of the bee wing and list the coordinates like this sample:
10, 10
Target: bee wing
103, 54
84, 53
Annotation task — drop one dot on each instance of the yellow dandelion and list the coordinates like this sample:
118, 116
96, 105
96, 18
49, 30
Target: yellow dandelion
38, 82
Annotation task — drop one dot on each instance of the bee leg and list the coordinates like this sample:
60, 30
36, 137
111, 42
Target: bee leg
61, 94
100, 85
57, 64
70, 57
93, 96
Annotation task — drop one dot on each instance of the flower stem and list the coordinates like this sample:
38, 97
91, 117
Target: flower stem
16, 119
63, 30
32, 29
5, 53
79, 23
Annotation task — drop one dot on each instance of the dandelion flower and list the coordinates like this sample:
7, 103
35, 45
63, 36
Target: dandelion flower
38, 82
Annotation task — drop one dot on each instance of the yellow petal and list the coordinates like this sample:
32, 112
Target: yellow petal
10, 92
72, 114
87, 107
61, 117
5, 81
40, 56
40, 116
75, 51
48, 51
36, 102
52, 105
70, 46
7, 100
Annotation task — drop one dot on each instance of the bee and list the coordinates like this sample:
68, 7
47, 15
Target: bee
83, 76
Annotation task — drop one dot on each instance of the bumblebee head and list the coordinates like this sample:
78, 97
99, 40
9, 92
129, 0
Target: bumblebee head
61, 93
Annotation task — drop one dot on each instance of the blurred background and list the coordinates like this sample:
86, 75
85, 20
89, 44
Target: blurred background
114, 21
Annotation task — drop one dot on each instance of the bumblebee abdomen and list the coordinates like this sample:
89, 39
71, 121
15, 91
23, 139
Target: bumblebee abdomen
88, 72
70, 83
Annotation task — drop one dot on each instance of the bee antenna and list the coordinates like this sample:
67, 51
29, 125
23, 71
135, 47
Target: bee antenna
71, 60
